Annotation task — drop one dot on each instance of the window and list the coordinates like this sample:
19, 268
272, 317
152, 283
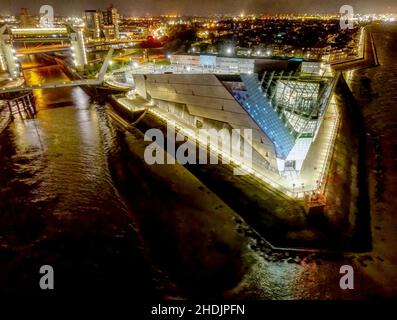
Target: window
290, 164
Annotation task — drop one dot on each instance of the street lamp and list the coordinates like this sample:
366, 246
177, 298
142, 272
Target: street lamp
229, 50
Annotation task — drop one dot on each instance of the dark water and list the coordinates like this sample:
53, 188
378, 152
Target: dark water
58, 204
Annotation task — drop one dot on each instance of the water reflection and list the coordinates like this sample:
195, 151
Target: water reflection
69, 141
58, 202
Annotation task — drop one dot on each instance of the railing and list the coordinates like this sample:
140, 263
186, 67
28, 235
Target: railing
5, 117
331, 146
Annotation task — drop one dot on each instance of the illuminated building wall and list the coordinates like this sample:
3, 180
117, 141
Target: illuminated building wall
231, 64
8, 60
284, 120
115, 21
102, 23
185, 59
289, 114
109, 32
77, 46
93, 21
202, 101
3, 66
236, 64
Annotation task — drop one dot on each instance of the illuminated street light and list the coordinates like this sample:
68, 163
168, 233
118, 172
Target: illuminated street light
229, 50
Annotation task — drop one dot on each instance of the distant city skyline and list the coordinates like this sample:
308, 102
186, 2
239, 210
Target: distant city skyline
203, 7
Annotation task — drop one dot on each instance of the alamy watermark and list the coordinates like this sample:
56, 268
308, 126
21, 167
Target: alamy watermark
46, 16
347, 280
233, 145
347, 17
47, 280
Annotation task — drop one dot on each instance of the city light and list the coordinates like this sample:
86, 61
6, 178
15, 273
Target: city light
21, 31
2, 63
80, 97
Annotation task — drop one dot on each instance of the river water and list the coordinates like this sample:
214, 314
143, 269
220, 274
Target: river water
59, 207
58, 204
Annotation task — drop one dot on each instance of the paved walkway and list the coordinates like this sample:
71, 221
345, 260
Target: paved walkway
315, 166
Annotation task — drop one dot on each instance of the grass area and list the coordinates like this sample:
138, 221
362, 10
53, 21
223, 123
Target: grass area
164, 62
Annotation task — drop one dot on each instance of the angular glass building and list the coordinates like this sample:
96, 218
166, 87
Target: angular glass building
289, 110
284, 108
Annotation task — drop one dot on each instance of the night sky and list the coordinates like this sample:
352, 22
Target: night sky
200, 7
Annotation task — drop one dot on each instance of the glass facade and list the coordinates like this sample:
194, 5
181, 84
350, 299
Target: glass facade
260, 109
289, 113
